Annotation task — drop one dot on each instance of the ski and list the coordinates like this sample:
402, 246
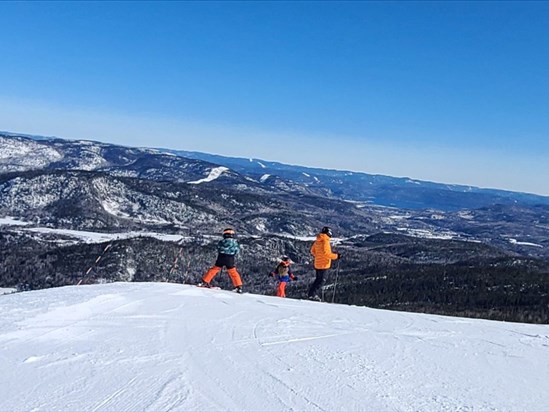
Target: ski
208, 287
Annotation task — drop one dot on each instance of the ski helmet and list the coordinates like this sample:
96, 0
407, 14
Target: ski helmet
229, 232
327, 231
286, 261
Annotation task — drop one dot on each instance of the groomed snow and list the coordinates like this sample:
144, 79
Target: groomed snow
516, 242
214, 174
170, 347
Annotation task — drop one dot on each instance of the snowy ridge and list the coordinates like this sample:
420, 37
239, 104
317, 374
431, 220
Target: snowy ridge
168, 347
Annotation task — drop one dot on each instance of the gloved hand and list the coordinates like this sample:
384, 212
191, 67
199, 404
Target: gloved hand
338, 255
295, 278
271, 274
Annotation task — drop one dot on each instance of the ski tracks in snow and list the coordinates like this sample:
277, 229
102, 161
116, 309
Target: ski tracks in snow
173, 347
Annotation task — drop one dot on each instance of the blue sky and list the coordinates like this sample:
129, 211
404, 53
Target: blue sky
454, 92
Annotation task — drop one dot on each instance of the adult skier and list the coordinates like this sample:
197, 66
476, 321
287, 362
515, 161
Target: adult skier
283, 273
323, 255
227, 249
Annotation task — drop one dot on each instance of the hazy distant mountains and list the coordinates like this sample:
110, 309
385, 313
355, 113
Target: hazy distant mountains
371, 189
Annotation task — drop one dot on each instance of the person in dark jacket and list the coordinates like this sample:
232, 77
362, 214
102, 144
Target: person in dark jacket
323, 255
283, 273
227, 249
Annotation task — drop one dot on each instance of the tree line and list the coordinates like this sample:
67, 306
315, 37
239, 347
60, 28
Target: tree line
488, 286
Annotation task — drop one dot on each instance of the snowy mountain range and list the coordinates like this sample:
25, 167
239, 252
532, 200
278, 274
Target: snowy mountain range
24, 152
370, 189
61, 201
169, 347
83, 184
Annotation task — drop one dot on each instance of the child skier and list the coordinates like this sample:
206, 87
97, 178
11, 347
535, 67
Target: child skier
227, 249
283, 273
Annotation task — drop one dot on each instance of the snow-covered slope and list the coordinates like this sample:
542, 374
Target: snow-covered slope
162, 347
18, 154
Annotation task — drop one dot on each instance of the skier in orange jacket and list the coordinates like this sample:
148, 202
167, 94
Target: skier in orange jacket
322, 252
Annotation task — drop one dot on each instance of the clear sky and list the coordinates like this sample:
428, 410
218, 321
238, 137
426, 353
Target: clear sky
452, 92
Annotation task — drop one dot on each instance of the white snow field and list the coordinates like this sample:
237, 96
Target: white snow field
171, 347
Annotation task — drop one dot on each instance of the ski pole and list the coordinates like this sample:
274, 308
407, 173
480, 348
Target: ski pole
335, 283
86, 275
179, 256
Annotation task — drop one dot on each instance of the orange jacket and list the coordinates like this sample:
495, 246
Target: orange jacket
322, 251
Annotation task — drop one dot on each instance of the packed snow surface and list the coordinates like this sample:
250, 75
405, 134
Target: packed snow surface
171, 347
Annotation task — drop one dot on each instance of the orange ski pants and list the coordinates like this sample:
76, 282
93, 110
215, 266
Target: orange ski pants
233, 274
281, 290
